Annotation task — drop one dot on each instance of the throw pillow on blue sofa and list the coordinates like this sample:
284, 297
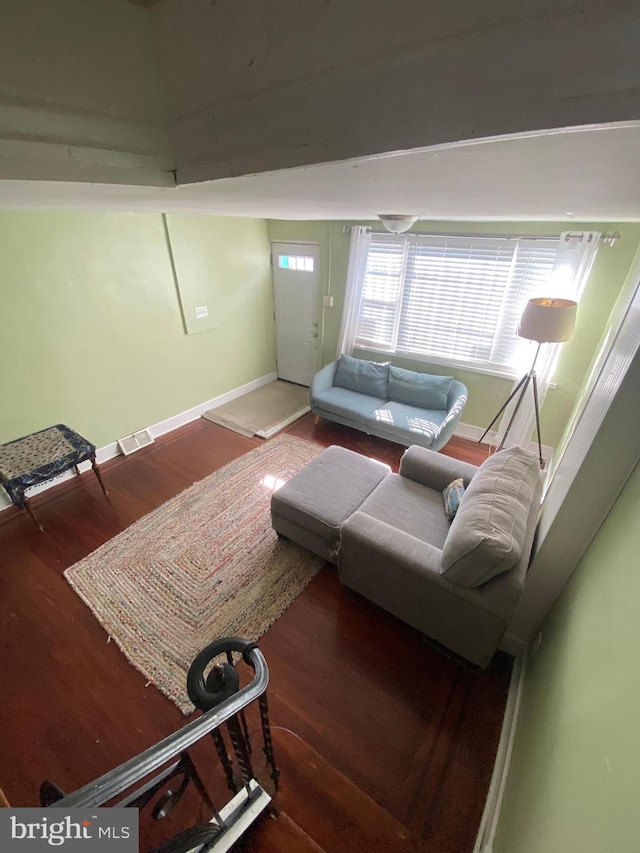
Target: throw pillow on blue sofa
419, 389
367, 377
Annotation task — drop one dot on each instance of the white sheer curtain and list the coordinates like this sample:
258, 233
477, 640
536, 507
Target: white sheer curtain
360, 240
569, 275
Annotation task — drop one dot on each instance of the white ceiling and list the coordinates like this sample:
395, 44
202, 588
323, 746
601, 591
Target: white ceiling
586, 174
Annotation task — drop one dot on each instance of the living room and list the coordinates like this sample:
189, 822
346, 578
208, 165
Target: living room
98, 290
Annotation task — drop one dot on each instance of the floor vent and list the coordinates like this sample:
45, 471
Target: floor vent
131, 443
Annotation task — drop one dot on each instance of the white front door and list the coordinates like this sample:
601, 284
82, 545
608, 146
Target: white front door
296, 280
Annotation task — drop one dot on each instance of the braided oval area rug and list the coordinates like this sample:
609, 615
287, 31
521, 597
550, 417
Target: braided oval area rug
204, 565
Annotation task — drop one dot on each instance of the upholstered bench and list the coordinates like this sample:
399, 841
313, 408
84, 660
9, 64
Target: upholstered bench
311, 507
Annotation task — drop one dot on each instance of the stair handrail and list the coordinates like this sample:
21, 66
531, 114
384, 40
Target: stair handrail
120, 778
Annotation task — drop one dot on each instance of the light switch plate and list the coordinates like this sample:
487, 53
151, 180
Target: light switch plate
327, 301
201, 311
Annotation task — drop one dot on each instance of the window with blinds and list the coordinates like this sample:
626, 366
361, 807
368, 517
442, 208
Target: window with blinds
455, 299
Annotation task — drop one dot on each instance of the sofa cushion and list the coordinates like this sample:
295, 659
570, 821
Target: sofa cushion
419, 389
347, 404
367, 377
488, 533
399, 420
410, 507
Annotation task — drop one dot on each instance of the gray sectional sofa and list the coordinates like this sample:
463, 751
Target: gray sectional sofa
393, 403
458, 582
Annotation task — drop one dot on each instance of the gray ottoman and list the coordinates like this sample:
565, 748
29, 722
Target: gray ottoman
311, 507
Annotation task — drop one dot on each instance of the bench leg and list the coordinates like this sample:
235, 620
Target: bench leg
96, 471
29, 509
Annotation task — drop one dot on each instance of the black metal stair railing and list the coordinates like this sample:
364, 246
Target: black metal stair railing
222, 701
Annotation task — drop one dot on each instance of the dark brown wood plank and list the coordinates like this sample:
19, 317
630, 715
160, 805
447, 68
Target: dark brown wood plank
311, 786
357, 649
326, 432
278, 833
404, 728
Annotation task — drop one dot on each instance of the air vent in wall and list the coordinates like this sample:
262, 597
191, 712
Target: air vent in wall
131, 443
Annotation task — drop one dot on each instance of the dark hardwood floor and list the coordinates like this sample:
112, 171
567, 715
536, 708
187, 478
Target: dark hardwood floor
384, 742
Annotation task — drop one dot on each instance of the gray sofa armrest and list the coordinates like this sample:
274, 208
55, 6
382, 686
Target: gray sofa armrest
402, 574
372, 541
432, 469
323, 380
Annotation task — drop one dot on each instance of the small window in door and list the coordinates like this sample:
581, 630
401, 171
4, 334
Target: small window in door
296, 262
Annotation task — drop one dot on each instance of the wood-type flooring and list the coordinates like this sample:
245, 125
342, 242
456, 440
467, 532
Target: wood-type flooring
385, 743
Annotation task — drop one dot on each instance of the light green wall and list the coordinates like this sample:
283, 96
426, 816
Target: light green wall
93, 333
209, 261
487, 393
91, 326
575, 771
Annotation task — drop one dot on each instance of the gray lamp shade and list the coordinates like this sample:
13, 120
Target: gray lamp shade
547, 320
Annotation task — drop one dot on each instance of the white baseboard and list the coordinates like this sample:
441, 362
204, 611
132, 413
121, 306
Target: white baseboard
491, 814
474, 433
109, 451
197, 411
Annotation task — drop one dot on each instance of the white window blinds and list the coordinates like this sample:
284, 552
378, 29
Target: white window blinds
456, 299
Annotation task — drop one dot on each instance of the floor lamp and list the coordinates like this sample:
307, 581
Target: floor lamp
545, 321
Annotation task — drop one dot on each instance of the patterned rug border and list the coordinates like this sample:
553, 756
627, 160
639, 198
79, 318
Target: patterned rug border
301, 450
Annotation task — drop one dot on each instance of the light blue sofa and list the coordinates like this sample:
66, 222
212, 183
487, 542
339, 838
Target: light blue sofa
393, 403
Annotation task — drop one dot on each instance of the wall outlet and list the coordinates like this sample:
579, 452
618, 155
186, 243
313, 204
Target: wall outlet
201, 311
327, 301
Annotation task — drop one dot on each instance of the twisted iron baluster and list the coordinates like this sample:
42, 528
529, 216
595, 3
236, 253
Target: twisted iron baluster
266, 736
240, 749
245, 731
225, 760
